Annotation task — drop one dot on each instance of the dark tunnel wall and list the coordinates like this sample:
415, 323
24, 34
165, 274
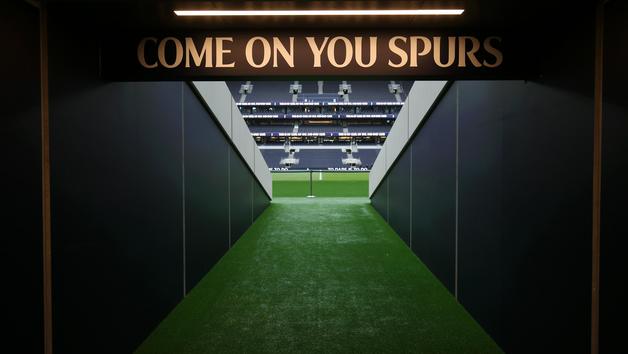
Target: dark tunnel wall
399, 208
138, 150
613, 281
379, 199
522, 193
140, 176
524, 209
21, 155
260, 200
207, 192
434, 191
241, 202
520, 259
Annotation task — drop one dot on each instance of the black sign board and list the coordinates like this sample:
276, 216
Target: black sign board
412, 54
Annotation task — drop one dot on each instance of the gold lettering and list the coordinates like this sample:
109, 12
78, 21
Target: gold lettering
403, 56
494, 51
161, 52
278, 48
140, 52
220, 52
427, 47
331, 51
249, 52
206, 51
316, 50
451, 53
372, 52
463, 53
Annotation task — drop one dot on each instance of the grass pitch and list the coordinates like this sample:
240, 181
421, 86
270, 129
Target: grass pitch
324, 184
321, 275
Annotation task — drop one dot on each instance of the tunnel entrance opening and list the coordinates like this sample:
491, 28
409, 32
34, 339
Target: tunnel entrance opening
118, 131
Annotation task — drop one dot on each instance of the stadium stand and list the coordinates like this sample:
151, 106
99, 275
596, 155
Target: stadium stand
328, 158
320, 159
271, 128
263, 91
320, 129
365, 91
368, 128
367, 156
329, 119
278, 91
272, 157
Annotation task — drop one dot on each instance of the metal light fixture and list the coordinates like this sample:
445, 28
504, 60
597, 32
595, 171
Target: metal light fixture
407, 12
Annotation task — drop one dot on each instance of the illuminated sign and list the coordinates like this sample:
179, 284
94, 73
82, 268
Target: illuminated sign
411, 54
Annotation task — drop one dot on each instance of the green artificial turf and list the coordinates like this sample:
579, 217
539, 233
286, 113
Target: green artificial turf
324, 184
319, 275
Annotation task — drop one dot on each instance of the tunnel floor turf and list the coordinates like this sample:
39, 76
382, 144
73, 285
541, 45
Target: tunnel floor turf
319, 275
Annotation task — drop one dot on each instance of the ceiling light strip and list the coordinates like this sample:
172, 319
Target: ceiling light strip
411, 12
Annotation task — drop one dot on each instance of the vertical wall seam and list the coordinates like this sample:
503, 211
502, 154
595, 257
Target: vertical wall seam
253, 180
411, 198
597, 176
45, 172
409, 146
408, 122
457, 203
388, 199
183, 184
229, 176
386, 181
252, 197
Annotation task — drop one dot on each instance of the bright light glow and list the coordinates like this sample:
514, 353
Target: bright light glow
419, 12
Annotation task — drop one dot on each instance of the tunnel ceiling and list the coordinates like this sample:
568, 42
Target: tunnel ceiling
519, 16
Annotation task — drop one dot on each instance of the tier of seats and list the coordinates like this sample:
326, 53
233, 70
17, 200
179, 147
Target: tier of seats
279, 91
318, 158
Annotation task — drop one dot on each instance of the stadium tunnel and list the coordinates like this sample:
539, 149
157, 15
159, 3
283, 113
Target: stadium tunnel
142, 215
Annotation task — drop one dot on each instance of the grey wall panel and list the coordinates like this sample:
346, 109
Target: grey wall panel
242, 183
613, 281
379, 199
420, 99
398, 136
262, 173
217, 96
218, 99
20, 139
399, 196
116, 154
434, 191
207, 192
241, 136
